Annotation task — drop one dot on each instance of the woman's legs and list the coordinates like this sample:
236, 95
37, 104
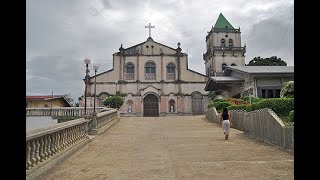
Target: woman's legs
226, 128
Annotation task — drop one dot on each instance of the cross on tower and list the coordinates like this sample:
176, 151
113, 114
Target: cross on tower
149, 28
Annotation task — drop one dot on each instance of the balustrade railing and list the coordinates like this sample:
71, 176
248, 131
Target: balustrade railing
61, 111
43, 143
104, 117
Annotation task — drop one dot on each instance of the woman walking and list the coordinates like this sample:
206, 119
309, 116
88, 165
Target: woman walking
225, 122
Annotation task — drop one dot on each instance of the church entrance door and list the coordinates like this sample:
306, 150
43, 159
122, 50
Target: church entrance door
150, 106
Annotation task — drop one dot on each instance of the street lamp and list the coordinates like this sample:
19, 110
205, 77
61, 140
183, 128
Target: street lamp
116, 93
95, 67
87, 62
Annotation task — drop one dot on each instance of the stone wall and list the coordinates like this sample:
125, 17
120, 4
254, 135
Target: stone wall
262, 124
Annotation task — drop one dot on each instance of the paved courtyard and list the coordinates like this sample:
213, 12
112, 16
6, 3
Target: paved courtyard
177, 147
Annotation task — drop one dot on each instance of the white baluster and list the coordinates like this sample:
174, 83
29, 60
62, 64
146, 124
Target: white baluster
38, 150
33, 149
28, 155
42, 146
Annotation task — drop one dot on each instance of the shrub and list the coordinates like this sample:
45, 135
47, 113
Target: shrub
291, 116
219, 100
111, 101
253, 99
210, 105
246, 107
281, 106
221, 105
235, 101
287, 91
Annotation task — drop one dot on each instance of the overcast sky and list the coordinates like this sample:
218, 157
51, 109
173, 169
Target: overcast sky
60, 34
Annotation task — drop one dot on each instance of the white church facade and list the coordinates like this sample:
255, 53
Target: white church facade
154, 80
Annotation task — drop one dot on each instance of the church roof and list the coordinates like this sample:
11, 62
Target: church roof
223, 23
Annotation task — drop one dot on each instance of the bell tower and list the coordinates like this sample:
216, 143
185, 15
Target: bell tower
223, 44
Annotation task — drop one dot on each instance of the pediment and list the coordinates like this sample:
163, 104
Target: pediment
150, 47
149, 89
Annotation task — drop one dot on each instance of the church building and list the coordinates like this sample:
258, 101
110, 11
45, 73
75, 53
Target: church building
224, 48
227, 72
154, 80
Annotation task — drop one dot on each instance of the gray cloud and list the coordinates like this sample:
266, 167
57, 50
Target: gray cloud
60, 34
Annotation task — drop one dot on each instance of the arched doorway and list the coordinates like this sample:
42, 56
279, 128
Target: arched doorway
196, 102
150, 106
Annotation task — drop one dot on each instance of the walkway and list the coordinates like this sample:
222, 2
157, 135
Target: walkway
183, 147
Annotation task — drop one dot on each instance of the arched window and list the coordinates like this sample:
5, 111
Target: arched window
172, 106
130, 105
230, 43
150, 71
171, 71
233, 64
130, 71
224, 65
223, 42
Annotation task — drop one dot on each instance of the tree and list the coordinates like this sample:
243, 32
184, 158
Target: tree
76, 105
212, 95
272, 61
287, 91
68, 98
112, 101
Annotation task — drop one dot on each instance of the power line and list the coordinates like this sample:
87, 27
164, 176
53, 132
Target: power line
286, 30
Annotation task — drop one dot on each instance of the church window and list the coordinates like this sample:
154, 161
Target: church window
224, 65
223, 42
226, 35
129, 71
150, 71
171, 71
230, 43
147, 46
233, 64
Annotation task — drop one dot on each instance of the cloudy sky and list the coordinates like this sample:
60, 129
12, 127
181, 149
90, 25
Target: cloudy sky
60, 34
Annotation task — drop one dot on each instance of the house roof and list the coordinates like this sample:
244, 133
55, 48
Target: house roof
43, 96
49, 97
222, 23
263, 69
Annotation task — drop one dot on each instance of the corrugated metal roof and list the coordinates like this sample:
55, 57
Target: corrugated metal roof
263, 69
225, 78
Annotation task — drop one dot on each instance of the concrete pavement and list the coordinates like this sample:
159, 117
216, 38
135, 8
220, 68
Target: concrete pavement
176, 147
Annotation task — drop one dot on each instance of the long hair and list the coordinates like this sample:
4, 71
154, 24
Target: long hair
225, 113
